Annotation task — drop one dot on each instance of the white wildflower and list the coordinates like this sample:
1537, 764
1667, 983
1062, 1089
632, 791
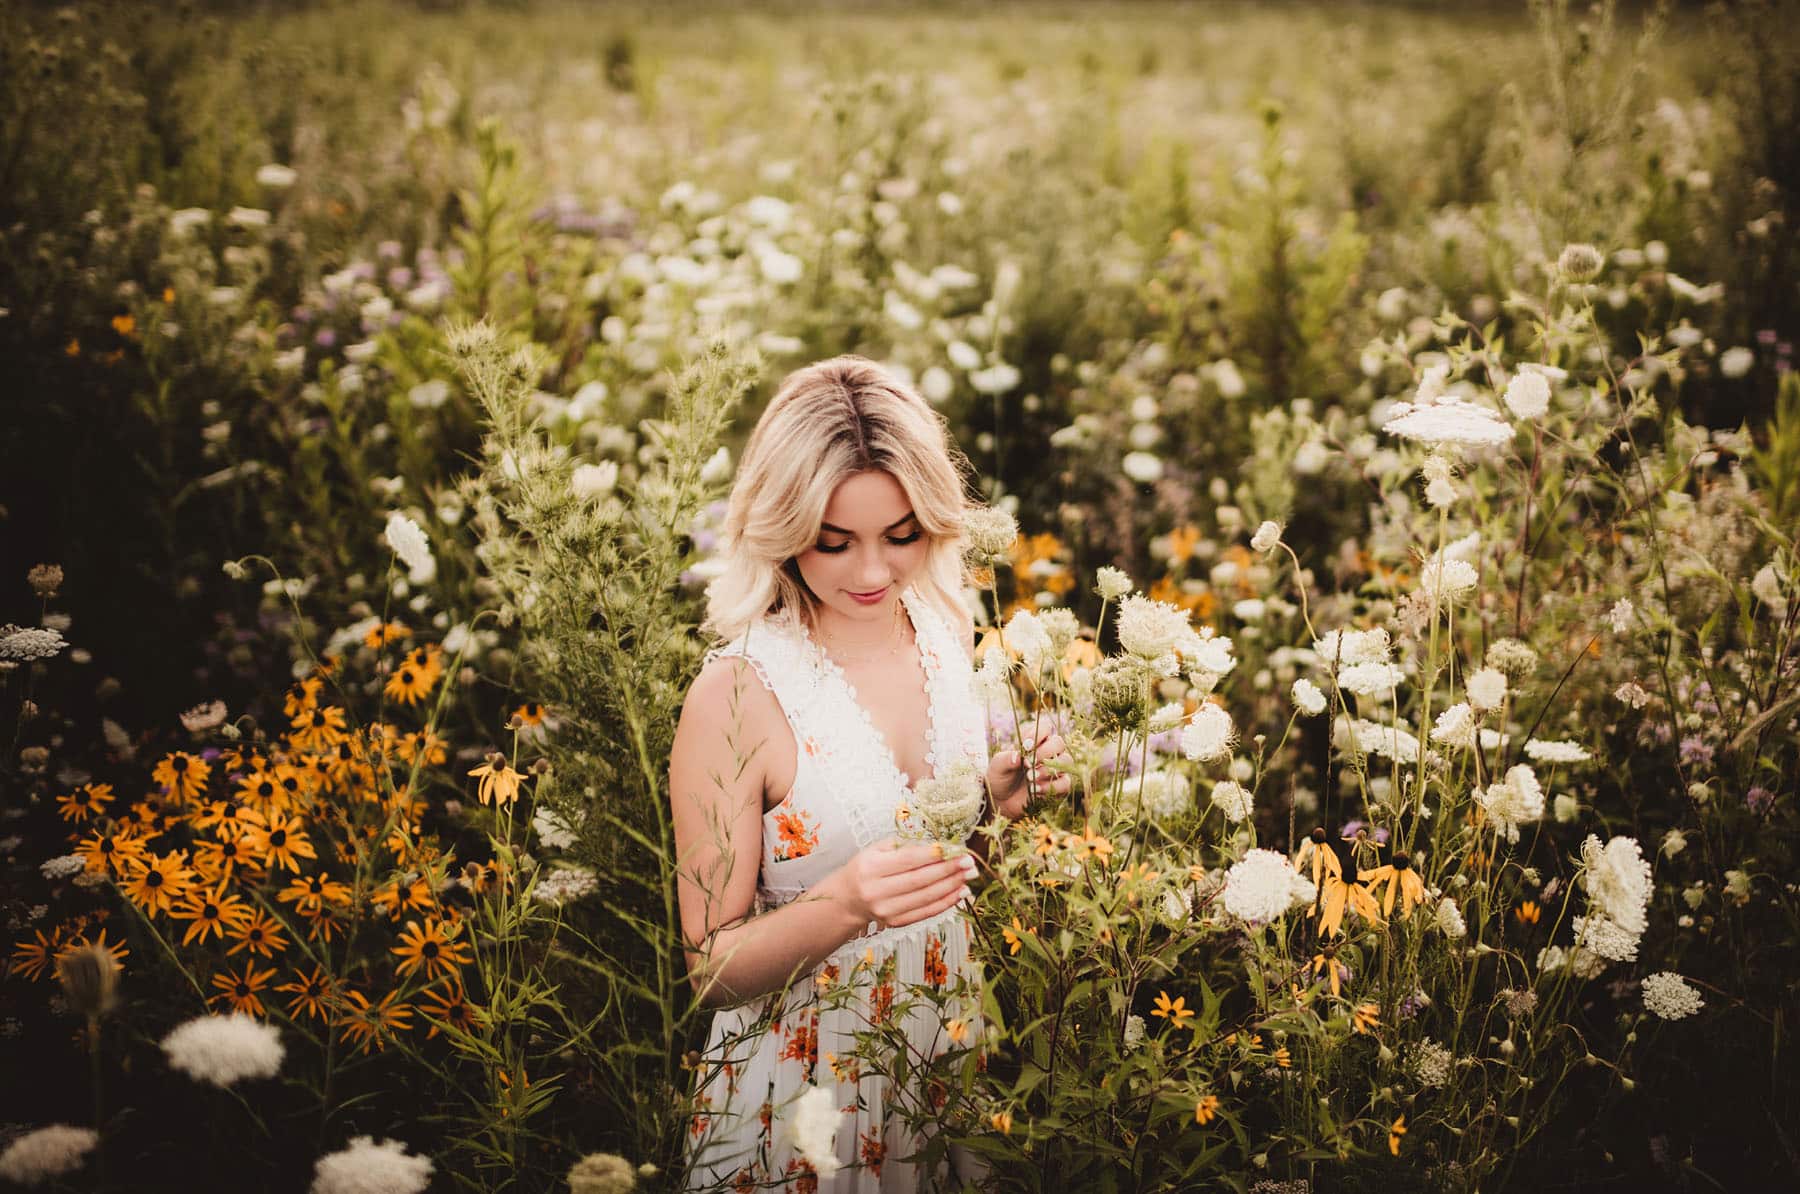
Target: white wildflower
1207, 652
602, 1173
46, 1153
1263, 885
1360, 736
1765, 586
555, 831
276, 176
1377, 680
1267, 537
247, 217
1516, 800
1554, 751
62, 866
1617, 880
1604, 937
1447, 581
27, 643
1668, 995
1151, 629
1673, 843
1112, 583
1209, 735
1146, 468
1527, 395
1447, 422
990, 681
814, 1122
1449, 919
1736, 361
1486, 689
1566, 808
409, 542
203, 717
223, 1050
1164, 793
565, 884
1429, 1062
365, 1167
1167, 717
1307, 697
1343, 648
594, 480
989, 532
1026, 635
1134, 1031
1620, 616
1455, 726
995, 379
1233, 799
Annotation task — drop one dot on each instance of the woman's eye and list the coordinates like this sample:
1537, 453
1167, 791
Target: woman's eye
829, 550
912, 538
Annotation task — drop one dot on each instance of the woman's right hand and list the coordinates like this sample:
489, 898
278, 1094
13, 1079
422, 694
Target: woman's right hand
894, 883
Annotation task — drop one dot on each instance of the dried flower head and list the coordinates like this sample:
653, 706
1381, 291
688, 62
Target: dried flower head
1580, 262
990, 533
45, 579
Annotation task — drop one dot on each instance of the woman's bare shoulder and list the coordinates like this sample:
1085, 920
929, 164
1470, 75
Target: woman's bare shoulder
727, 688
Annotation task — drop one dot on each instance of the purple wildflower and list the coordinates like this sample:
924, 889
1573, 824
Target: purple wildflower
1695, 751
1759, 799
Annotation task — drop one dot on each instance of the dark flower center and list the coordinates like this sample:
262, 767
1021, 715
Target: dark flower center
406, 677
429, 949
242, 990
278, 838
209, 912
1402, 862
318, 717
152, 878
178, 765
265, 788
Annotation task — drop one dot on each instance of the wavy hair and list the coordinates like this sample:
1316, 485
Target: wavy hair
827, 422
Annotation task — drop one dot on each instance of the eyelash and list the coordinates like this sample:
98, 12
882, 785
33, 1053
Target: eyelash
831, 551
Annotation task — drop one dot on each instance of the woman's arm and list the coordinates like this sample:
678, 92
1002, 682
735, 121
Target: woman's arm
716, 786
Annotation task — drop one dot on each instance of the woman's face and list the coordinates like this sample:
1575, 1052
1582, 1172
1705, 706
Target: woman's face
867, 551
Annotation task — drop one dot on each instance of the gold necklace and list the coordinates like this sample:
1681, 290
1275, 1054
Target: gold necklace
895, 641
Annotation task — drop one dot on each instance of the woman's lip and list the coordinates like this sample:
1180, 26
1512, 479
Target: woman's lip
871, 593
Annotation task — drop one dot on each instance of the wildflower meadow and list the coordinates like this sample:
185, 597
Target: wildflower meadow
1386, 452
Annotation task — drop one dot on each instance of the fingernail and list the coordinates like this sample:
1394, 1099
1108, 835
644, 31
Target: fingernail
966, 893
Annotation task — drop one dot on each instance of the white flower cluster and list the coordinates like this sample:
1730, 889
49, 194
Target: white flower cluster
62, 866
1233, 799
948, 804
1430, 1063
1346, 648
365, 1167
1267, 537
990, 680
1516, 800
1359, 735
566, 884
28, 643
1527, 394
1486, 689
1209, 735
1668, 995
1439, 418
1307, 697
223, 1050
989, 532
1555, 751
1026, 635
1263, 885
1112, 583
1617, 880
409, 543
1449, 919
1164, 793
46, 1153
554, 830
1456, 726
1151, 629
814, 1124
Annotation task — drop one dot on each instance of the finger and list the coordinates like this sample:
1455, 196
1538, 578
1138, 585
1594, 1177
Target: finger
924, 903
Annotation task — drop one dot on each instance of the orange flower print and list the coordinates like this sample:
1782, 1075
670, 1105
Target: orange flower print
798, 839
881, 1002
935, 972
803, 1044
874, 1152
805, 1180
813, 747
698, 1126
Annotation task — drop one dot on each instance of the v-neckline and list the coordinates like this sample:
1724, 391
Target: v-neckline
830, 666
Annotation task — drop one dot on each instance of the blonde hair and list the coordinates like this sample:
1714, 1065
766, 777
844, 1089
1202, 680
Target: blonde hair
826, 423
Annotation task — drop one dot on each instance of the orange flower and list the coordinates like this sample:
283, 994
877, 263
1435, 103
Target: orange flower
183, 775
372, 1025
33, 959
1176, 1012
448, 1008
383, 633
212, 913
1207, 1109
243, 991
1366, 1017
89, 800
261, 934
311, 994
1014, 935
430, 947
1395, 1131
797, 839
1527, 913
499, 782
154, 884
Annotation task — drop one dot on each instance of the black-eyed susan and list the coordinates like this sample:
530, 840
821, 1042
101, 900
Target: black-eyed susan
1365, 1018
383, 633
226, 858
328, 665
1206, 1109
86, 802
156, 817
322, 924
154, 883
227, 816
409, 683
34, 959
310, 893
499, 782
111, 850
1396, 1130
302, 697
1324, 965
261, 791
1174, 1011
183, 776
211, 911
1283, 1058
318, 729
423, 745
1014, 935
431, 948
243, 991
402, 895
1316, 852
1402, 880
311, 994
1046, 840
1337, 896
259, 933
446, 1006
282, 842
1527, 913
372, 1025
531, 713
1091, 846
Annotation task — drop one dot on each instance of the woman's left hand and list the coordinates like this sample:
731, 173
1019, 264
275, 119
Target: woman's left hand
1014, 782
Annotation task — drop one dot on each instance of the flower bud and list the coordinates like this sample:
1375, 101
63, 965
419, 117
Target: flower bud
90, 979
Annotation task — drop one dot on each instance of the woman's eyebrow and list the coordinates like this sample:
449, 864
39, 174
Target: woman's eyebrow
825, 526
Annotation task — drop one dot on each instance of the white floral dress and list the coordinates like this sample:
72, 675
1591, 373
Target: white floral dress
847, 790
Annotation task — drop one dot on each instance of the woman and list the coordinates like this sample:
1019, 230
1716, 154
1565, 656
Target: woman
842, 677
